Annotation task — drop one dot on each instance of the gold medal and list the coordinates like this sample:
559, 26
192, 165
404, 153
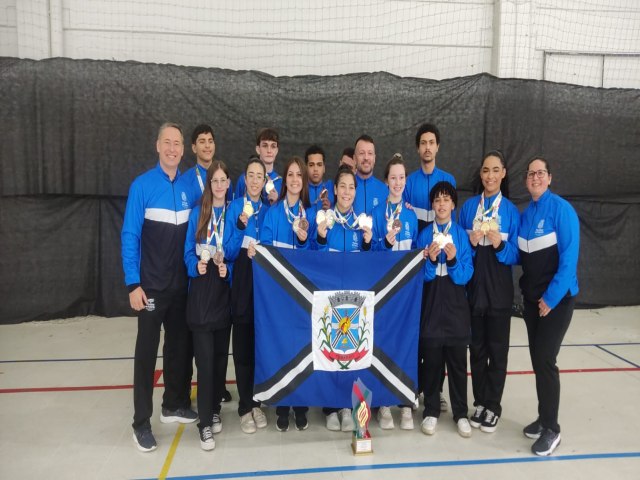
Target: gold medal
269, 187
248, 209
484, 227
493, 225
477, 225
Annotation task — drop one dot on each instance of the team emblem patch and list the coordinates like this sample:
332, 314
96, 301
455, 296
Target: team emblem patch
342, 330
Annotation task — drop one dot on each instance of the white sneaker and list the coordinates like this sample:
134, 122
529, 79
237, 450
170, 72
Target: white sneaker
346, 420
216, 426
385, 419
444, 406
464, 428
429, 425
333, 422
247, 425
206, 439
406, 418
259, 417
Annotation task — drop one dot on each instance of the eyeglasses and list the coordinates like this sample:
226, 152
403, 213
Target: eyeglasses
536, 173
220, 182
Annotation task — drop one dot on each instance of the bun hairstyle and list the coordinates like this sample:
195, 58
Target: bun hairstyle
395, 160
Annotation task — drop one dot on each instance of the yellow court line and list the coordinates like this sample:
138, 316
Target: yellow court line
174, 445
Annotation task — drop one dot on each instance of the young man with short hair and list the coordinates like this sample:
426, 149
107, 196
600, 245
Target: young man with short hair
320, 195
267, 144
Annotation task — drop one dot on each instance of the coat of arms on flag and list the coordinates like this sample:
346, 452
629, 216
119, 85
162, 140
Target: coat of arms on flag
323, 319
342, 329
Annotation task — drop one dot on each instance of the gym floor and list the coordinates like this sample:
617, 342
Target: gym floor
66, 411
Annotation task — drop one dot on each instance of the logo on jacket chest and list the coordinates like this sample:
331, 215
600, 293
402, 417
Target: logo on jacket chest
185, 202
540, 228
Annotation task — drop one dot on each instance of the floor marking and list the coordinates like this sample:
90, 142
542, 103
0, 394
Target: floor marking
617, 356
174, 445
389, 466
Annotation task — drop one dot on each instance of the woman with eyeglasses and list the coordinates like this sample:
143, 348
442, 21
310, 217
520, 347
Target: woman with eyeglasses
244, 220
290, 223
208, 303
549, 242
491, 221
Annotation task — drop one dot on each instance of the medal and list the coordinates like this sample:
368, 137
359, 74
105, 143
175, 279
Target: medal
324, 194
321, 217
269, 187
247, 209
304, 224
205, 255
330, 218
218, 258
442, 238
477, 225
486, 220
393, 217
364, 220
493, 225
389, 225
397, 224
298, 221
484, 227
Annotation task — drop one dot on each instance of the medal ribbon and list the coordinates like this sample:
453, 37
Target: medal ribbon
344, 219
389, 215
445, 232
482, 214
291, 217
216, 224
199, 176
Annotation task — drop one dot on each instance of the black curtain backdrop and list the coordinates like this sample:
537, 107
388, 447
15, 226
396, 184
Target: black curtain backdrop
77, 132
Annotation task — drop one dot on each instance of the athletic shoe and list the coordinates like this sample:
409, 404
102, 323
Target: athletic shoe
490, 422
477, 417
259, 417
533, 430
301, 421
464, 428
547, 443
144, 439
247, 425
406, 418
226, 396
346, 420
282, 423
429, 425
444, 406
385, 419
181, 415
206, 439
216, 426
333, 422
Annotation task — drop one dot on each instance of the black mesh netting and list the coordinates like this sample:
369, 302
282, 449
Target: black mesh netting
78, 132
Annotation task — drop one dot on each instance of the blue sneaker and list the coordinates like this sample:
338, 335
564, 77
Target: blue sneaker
181, 415
547, 443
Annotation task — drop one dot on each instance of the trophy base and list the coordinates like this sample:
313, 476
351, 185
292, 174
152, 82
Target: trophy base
361, 446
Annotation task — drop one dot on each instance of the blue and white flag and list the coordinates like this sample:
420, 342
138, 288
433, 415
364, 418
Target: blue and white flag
323, 319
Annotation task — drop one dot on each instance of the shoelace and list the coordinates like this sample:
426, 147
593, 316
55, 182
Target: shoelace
479, 411
489, 416
207, 434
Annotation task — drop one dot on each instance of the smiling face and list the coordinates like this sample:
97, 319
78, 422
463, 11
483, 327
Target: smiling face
170, 147
204, 149
491, 173
255, 179
294, 180
396, 181
345, 191
219, 185
443, 206
538, 178
365, 157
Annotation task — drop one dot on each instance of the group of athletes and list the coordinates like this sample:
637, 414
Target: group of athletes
188, 240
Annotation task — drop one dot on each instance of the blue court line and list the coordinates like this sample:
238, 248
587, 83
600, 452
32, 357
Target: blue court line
617, 356
46, 360
388, 466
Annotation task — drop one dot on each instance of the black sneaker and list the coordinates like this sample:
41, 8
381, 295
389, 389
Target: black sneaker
301, 421
181, 415
547, 443
226, 396
477, 417
533, 430
282, 424
144, 439
206, 439
489, 422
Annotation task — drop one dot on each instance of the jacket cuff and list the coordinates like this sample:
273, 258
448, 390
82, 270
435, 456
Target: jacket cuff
321, 240
452, 262
132, 287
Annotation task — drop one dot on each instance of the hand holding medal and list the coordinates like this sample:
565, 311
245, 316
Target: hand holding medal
222, 269
247, 211
270, 189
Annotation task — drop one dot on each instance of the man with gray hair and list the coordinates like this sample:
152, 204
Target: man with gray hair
153, 235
